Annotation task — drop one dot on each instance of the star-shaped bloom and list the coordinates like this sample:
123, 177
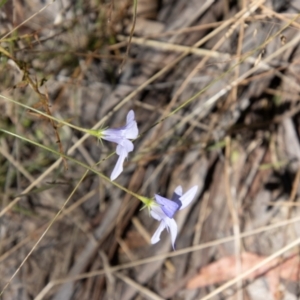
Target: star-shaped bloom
164, 210
121, 137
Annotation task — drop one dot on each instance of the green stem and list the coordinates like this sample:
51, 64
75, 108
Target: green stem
145, 200
50, 117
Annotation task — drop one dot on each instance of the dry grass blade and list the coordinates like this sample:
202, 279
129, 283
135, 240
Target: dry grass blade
256, 267
159, 257
215, 91
142, 290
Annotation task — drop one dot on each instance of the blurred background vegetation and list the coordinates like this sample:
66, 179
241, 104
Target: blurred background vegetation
215, 89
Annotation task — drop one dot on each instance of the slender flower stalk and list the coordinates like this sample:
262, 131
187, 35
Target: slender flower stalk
164, 209
146, 201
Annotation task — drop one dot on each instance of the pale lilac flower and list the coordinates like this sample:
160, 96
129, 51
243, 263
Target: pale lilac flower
165, 209
121, 137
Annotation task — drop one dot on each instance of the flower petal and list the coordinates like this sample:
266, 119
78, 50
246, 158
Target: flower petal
124, 146
172, 227
188, 197
130, 116
119, 165
131, 130
169, 207
178, 190
156, 236
112, 135
176, 196
157, 213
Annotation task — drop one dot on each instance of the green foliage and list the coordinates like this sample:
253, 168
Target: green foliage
2, 3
